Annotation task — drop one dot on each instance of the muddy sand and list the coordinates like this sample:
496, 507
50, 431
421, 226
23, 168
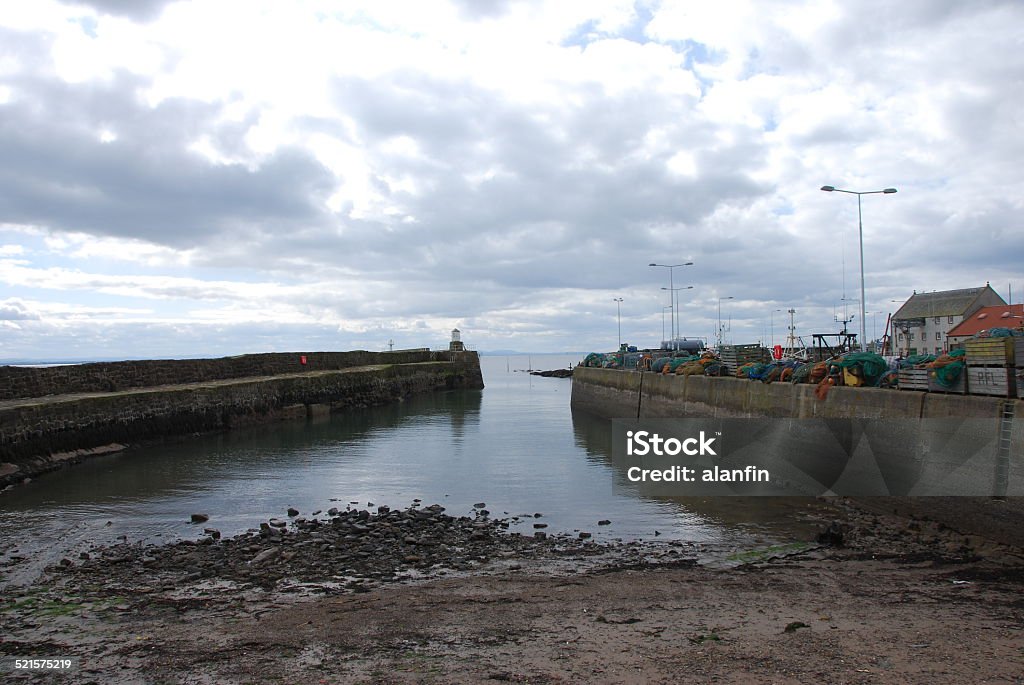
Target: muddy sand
894, 591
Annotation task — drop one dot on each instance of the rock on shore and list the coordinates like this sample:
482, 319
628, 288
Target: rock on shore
346, 550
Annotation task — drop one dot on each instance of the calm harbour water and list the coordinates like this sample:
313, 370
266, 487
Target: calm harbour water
516, 446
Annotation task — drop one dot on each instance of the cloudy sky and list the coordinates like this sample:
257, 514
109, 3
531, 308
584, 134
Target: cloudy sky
219, 177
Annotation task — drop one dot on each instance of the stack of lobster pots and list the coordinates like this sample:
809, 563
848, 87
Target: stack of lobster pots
1018, 344
912, 378
735, 356
990, 366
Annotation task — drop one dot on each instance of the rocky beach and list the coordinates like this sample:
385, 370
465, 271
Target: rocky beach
375, 595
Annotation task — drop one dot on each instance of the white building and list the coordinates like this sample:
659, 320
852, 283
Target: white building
921, 325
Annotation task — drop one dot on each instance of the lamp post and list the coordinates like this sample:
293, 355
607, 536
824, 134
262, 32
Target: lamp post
720, 319
874, 327
618, 315
890, 329
663, 339
671, 268
674, 297
860, 232
771, 324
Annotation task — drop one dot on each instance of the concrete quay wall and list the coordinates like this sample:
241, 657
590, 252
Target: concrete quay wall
613, 393
957, 455
44, 433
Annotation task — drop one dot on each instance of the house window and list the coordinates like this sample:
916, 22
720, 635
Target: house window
938, 336
901, 337
938, 319
911, 336
938, 350
951, 319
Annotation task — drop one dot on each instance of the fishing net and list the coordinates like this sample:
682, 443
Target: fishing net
946, 370
866, 365
659, 364
917, 361
802, 373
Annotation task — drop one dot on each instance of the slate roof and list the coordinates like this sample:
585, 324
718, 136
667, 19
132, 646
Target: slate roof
1001, 316
943, 303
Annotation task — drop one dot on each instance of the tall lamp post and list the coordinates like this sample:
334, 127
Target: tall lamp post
860, 232
720, 319
618, 315
771, 323
663, 339
674, 296
671, 268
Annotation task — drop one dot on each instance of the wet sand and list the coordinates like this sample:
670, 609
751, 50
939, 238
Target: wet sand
928, 592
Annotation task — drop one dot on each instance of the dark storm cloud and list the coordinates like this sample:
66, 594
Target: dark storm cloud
136, 10
57, 173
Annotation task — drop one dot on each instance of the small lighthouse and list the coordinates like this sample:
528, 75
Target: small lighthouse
456, 344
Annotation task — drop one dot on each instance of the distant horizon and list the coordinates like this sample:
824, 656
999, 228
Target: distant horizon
21, 361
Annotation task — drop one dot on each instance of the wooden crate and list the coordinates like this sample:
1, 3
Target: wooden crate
735, 356
1018, 350
913, 379
990, 351
959, 388
1000, 382
1020, 379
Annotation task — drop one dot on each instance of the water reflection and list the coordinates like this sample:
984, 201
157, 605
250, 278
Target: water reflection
786, 516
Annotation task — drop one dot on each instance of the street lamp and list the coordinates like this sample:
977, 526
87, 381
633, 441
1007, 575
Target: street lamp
860, 232
720, 319
663, 338
671, 268
618, 312
874, 327
674, 297
771, 323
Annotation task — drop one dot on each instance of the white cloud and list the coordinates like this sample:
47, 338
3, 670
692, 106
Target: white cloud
374, 167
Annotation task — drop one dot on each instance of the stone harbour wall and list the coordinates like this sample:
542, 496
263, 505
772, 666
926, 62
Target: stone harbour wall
41, 434
17, 382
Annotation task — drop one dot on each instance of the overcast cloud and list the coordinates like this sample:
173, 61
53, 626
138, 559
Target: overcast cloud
194, 178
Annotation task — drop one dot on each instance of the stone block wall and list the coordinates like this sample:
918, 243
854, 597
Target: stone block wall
19, 382
43, 433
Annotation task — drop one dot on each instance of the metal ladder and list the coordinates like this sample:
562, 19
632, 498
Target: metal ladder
1002, 474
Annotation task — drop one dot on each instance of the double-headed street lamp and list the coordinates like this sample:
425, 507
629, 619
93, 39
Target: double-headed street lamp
860, 230
618, 312
720, 319
671, 268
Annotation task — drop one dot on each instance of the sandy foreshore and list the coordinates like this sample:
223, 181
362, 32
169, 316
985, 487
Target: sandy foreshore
896, 594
